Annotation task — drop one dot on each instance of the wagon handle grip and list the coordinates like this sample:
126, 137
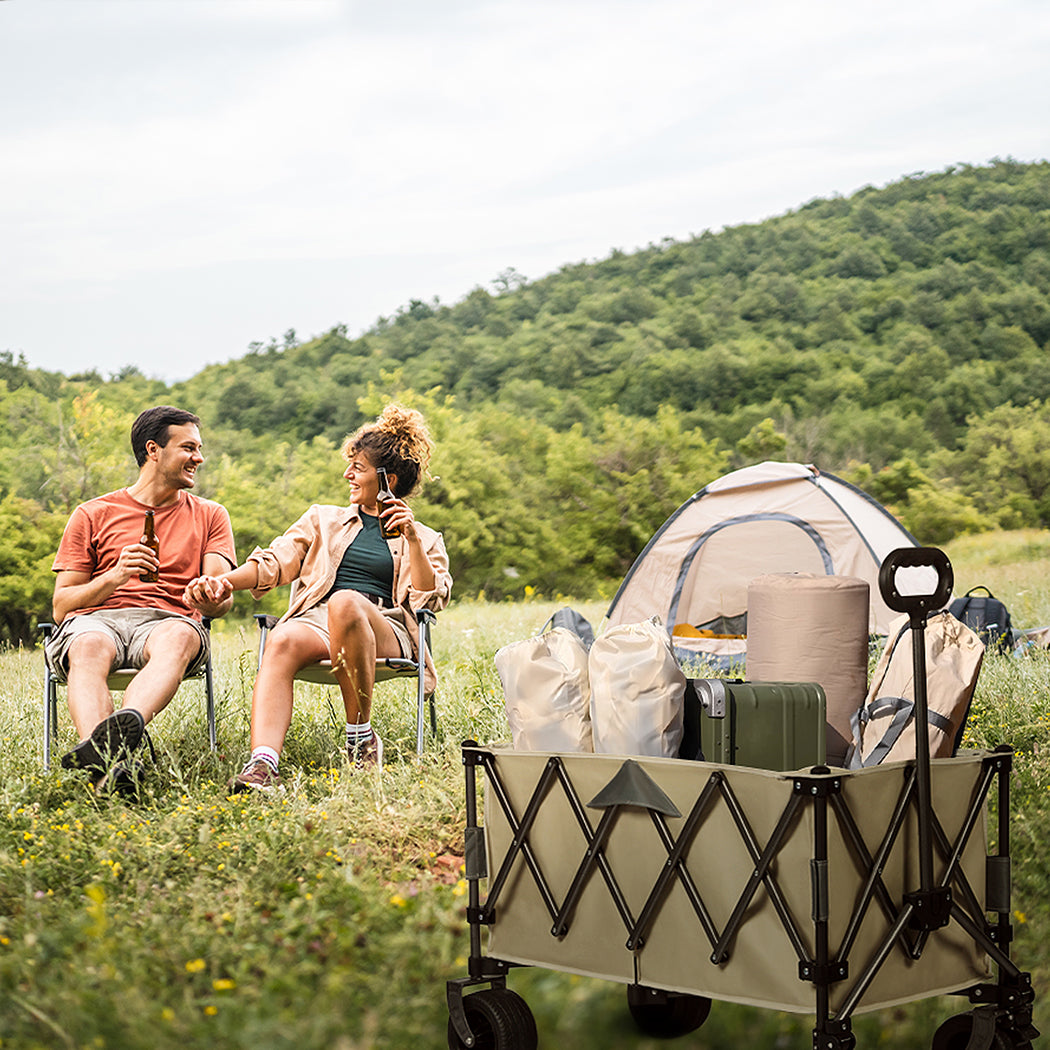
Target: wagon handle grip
916, 605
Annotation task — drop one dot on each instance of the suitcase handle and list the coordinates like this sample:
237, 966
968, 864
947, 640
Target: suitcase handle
916, 605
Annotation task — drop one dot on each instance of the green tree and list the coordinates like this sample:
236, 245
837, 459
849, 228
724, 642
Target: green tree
1004, 465
29, 537
91, 453
930, 510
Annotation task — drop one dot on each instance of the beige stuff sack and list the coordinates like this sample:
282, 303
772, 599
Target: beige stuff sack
637, 692
885, 726
546, 692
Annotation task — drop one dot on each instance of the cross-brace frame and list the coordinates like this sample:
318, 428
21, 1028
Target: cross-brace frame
910, 919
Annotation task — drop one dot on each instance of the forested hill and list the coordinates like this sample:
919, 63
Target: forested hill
897, 337
865, 327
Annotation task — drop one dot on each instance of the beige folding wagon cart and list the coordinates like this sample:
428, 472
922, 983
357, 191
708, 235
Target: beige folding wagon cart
819, 891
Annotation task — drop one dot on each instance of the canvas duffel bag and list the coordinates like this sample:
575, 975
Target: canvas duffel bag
884, 729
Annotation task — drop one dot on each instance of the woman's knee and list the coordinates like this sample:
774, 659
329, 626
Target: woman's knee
347, 611
291, 648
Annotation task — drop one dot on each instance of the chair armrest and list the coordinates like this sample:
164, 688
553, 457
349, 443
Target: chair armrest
46, 629
265, 621
425, 616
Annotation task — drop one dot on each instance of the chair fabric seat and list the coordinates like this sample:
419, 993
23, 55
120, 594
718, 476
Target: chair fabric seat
387, 669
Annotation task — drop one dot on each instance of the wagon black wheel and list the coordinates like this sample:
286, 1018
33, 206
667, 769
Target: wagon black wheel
955, 1034
500, 1020
666, 1015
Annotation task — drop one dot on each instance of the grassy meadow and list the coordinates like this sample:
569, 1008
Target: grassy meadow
330, 916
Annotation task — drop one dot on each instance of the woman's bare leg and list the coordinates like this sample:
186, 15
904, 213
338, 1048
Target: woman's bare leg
290, 647
358, 635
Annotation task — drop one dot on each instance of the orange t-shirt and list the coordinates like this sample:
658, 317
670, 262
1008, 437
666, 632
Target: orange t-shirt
98, 530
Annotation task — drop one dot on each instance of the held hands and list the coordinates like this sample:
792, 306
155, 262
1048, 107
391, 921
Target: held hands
207, 591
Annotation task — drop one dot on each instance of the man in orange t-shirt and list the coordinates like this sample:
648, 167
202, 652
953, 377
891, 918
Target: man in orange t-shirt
109, 617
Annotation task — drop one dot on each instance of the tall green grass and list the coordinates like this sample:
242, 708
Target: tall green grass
332, 915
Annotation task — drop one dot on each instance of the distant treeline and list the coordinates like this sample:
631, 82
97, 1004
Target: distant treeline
897, 337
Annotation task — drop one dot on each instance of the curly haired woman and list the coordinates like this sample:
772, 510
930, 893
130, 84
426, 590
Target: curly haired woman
354, 594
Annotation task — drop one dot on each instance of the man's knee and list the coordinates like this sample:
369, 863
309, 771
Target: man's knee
173, 641
92, 650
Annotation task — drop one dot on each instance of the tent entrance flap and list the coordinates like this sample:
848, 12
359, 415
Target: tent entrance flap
770, 518
737, 551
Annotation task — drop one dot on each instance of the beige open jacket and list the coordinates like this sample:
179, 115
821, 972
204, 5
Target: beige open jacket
310, 552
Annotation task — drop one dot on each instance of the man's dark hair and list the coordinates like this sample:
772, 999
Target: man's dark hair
153, 424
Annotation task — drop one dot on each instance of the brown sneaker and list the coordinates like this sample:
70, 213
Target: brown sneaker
256, 776
367, 756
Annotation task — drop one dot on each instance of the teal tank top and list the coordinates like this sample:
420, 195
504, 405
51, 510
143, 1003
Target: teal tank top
367, 565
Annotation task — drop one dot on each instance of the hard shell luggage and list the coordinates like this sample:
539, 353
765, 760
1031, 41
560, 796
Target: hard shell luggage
765, 725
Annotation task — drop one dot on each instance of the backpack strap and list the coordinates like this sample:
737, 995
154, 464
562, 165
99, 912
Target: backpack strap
902, 712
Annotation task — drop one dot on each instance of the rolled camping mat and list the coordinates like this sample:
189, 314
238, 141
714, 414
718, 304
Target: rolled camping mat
807, 628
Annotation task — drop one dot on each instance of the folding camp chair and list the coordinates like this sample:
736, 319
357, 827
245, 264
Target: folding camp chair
387, 668
118, 681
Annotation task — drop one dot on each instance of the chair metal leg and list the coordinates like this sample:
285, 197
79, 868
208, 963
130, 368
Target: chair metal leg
421, 694
50, 714
209, 687
209, 695
420, 710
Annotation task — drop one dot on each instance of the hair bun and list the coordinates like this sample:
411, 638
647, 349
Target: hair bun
408, 431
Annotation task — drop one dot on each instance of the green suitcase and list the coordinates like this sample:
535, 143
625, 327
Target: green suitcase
765, 725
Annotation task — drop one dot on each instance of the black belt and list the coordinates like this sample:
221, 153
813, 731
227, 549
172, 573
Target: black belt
378, 599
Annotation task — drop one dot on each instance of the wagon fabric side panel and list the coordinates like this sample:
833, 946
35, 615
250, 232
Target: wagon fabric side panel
951, 960
761, 966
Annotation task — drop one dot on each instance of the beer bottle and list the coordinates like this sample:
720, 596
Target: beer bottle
149, 538
383, 499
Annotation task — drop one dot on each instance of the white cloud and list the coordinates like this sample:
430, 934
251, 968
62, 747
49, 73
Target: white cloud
450, 138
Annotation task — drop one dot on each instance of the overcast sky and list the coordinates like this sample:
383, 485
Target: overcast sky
181, 178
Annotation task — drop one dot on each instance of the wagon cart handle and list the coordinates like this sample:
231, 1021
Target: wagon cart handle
931, 906
916, 605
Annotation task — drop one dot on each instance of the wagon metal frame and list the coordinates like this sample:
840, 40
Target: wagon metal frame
910, 919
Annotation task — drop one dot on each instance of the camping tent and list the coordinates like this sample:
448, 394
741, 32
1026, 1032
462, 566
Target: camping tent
770, 518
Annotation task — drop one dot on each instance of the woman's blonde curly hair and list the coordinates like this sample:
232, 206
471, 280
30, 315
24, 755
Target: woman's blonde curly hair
398, 441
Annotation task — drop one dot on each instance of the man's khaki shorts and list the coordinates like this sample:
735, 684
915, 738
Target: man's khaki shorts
128, 629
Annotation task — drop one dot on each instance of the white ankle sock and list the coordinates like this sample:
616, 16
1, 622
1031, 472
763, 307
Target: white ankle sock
358, 733
267, 754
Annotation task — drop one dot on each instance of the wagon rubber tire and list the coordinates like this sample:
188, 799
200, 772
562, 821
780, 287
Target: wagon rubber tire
955, 1034
666, 1015
500, 1020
